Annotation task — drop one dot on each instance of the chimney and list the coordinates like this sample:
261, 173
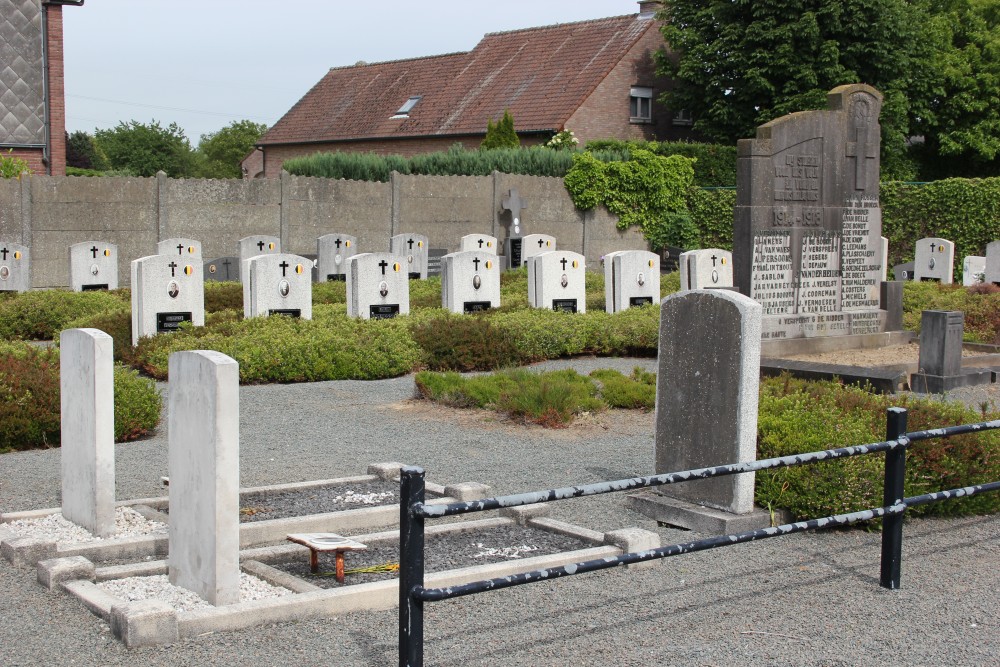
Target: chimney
647, 8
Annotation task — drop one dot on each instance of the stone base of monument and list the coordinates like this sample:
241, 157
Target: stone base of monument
820, 344
884, 379
152, 622
691, 516
923, 383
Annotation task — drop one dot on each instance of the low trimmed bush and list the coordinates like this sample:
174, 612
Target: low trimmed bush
980, 303
41, 314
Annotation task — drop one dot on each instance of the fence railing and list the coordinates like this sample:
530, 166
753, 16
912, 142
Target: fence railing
413, 512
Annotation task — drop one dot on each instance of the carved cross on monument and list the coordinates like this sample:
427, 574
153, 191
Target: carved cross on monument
714, 257
383, 264
563, 262
173, 268
338, 243
410, 244
260, 246
284, 267
4, 253
180, 248
865, 145
93, 251
476, 262
513, 203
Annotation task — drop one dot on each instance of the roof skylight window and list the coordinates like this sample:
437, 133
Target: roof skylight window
404, 111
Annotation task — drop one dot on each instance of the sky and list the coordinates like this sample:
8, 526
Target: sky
206, 63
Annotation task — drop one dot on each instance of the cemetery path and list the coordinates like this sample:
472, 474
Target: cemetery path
809, 599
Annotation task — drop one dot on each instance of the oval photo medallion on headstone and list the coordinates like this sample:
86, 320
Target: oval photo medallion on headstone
337, 260
715, 276
383, 288
409, 258
94, 270
477, 282
211, 268
4, 273
284, 288
564, 281
641, 279
931, 264
173, 289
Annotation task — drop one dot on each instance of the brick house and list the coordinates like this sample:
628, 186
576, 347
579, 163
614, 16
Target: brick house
32, 94
595, 77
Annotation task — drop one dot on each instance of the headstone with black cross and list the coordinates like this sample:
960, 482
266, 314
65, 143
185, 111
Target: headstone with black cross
15, 267
223, 269
413, 249
181, 249
557, 281
93, 265
332, 252
280, 284
470, 281
708, 268
251, 246
635, 279
535, 244
377, 286
934, 259
478, 242
166, 291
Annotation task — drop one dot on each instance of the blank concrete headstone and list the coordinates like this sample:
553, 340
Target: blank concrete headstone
87, 395
934, 259
635, 280
973, 270
377, 286
180, 248
481, 242
279, 284
413, 249
15, 267
204, 468
222, 269
557, 281
332, 252
166, 291
470, 281
993, 262
706, 269
93, 265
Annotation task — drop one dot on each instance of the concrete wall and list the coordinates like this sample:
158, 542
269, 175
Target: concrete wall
49, 213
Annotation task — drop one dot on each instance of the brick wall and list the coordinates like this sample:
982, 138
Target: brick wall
57, 92
33, 156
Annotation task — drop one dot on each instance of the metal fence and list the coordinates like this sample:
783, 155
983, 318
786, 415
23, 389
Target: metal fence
413, 512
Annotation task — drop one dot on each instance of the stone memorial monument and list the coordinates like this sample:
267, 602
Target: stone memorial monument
470, 281
279, 284
556, 281
251, 246
165, 293
15, 267
332, 252
512, 205
940, 366
481, 242
973, 270
993, 262
222, 269
93, 265
808, 225
706, 269
180, 248
377, 286
413, 249
631, 278
934, 259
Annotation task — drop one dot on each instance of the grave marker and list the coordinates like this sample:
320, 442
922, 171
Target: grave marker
87, 424
903, 271
706, 269
634, 279
532, 245
377, 286
413, 249
333, 251
993, 262
934, 259
222, 269
480, 242
940, 367
204, 468
251, 246
279, 284
15, 267
93, 265
470, 281
166, 291
973, 270
556, 280
180, 248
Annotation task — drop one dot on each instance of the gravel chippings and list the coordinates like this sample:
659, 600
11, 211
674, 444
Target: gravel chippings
261, 506
128, 523
158, 587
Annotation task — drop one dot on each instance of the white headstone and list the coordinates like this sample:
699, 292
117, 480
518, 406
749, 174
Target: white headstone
973, 270
470, 281
166, 291
706, 269
558, 280
481, 242
87, 395
536, 244
377, 286
635, 280
993, 262
15, 267
332, 252
180, 248
93, 265
204, 467
279, 285
885, 259
413, 249
934, 259
609, 280
252, 246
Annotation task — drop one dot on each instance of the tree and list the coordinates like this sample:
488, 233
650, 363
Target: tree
146, 149
224, 150
502, 134
82, 152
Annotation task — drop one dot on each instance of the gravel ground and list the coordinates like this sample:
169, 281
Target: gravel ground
262, 506
809, 599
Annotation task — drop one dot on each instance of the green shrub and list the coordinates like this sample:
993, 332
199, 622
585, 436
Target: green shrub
715, 164
636, 392
425, 293
329, 292
223, 295
463, 343
712, 215
41, 314
138, 404
980, 303
500, 134
117, 324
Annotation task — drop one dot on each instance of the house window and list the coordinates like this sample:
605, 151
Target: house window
682, 117
404, 111
640, 105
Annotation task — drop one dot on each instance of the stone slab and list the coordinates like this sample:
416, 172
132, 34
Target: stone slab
144, 623
635, 279
413, 249
377, 286
332, 252
934, 259
165, 292
53, 572
279, 284
93, 265
882, 380
780, 348
924, 383
691, 516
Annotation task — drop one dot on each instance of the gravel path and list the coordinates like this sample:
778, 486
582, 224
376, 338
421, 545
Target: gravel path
799, 600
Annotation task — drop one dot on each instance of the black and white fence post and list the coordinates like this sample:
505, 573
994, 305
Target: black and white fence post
892, 494
411, 567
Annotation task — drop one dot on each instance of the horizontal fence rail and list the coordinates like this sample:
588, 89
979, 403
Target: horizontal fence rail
413, 512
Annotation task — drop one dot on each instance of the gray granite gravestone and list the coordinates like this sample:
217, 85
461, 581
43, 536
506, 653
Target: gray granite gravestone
706, 269
556, 281
480, 242
15, 267
941, 355
251, 246
332, 251
470, 281
631, 278
166, 291
279, 285
808, 225
413, 249
708, 375
973, 270
934, 259
180, 248
993, 262
222, 269
377, 286
93, 265
903, 271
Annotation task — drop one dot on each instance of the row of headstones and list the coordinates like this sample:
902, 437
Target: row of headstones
934, 259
